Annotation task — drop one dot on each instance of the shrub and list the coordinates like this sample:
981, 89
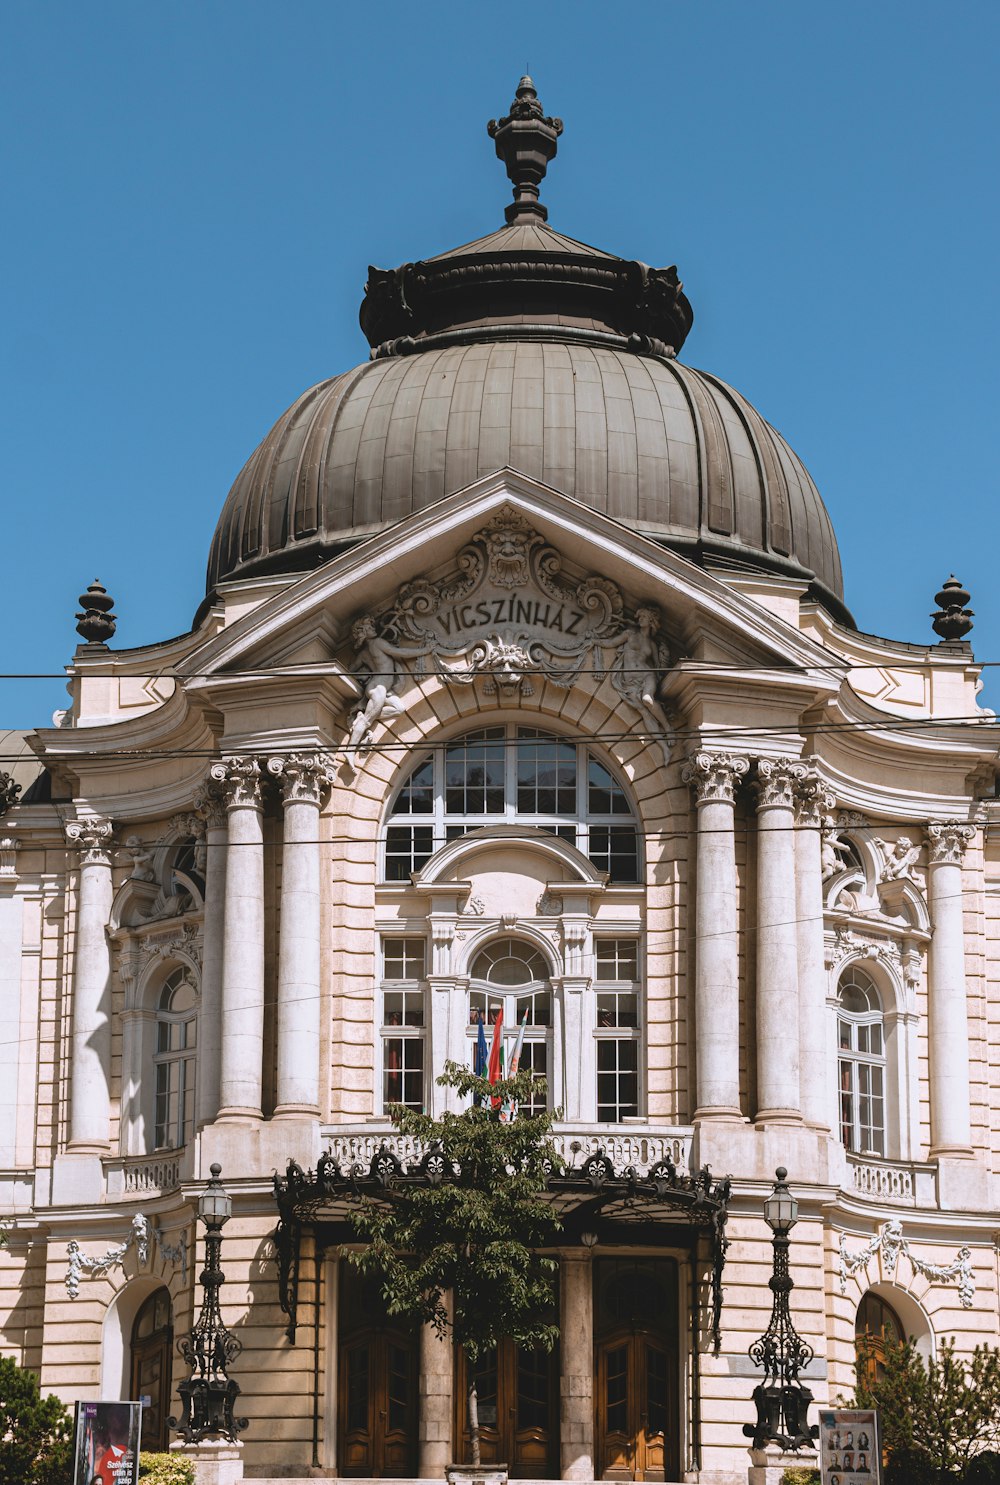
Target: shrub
166, 1469
984, 1469
800, 1475
35, 1432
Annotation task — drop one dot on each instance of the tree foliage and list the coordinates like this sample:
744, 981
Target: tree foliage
474, 1238
477, 1236
35, 1432
935, 1417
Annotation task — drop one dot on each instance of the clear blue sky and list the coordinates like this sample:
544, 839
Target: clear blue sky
193, 193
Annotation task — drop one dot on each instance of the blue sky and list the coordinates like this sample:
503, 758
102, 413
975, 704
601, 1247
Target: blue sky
193, 193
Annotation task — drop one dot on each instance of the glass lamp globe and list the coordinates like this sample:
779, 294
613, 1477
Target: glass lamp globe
215, 1205
781, 1210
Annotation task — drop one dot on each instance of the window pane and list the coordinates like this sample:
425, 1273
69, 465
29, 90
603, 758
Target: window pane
617, 958
407, 848
403, 958
546, 777
615, 849
474, 774
417, 795
617, 1079
621, 1009
605, 795
403, 1071
403, 1008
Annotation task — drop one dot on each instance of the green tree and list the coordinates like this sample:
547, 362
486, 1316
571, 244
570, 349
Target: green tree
477, 1236
940, 1413
35, 1432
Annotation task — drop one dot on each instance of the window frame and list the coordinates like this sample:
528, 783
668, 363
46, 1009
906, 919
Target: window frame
412, 985
618, 1032
535, 1034
867, 1138
183, 1060
580, 825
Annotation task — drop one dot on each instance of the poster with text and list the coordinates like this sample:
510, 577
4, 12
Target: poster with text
849, 1449
106, 1450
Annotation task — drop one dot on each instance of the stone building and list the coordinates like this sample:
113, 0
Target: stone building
524, 678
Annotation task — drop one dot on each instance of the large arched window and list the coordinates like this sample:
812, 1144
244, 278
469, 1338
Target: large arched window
174, 1061
508, 775
861, 1043
512, 976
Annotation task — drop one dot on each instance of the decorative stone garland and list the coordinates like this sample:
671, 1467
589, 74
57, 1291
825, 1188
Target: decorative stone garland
98, 1264
892, 1243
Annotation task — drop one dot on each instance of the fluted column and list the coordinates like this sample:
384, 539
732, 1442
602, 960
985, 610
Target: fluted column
715, 777
948, 1018
90, 1102
243, 941
306, 780
576, 1353
777, 944
211, 806
812, 804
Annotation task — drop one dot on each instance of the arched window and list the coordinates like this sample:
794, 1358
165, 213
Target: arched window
861, 1043
508, 775
174, 1060
875, 1323
512, 976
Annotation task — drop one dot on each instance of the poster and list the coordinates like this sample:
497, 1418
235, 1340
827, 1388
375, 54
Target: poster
849, 1449
106, 1448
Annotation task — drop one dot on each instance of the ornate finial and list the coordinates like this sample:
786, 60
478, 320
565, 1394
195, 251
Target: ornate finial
97, 622
953, 618
526, 141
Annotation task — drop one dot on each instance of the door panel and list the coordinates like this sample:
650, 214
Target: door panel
377, 1402
152, 1334
517, 1393
637, 1401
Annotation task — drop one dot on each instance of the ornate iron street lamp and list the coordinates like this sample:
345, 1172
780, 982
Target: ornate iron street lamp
209, 1394
782, 1401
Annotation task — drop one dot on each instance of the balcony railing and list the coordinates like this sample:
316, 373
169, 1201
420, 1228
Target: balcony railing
640, 1148
883, 1180
142, 1175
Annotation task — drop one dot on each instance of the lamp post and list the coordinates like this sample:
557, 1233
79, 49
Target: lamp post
209, 1393
782, 1401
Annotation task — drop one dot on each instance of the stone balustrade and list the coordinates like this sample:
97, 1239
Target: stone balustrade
883, 1180
640, 1148
142, 1175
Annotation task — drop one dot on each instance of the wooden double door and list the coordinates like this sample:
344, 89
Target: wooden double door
378, 1404
518, 1396
152, 1334
637, 1344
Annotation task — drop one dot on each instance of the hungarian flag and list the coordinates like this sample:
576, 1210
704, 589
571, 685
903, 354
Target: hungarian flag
509, 1110
495, 1070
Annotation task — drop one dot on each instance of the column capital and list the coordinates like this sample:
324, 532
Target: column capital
813, 799
210, 804
305, 778
239, 782
947, 841
92, 837
8, 857
777, 780
714, 777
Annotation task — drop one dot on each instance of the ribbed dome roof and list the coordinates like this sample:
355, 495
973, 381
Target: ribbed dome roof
527, 349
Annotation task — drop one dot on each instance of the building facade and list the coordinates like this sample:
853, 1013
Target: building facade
524, 680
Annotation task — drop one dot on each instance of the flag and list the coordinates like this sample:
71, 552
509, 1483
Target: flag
509, 1111
495, 1070
481, 1055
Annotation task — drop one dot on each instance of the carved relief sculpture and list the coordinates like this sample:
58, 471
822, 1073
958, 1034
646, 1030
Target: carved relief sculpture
899, 859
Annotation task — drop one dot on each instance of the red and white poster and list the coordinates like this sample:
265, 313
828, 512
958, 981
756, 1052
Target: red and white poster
106, 1450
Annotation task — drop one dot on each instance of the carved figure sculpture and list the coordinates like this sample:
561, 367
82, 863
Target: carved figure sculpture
898, 859
142, 859
377, 658
642, 658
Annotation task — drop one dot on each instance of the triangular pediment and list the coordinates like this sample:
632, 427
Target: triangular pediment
506, 565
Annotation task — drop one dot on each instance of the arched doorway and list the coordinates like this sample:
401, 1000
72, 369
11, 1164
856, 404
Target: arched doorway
637, 1404
377, 1406
152, 1333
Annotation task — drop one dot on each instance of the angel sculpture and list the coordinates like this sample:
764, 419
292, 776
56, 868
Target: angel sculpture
377, 657
898, 859
642, 660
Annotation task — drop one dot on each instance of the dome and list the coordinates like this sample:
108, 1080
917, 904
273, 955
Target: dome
527, 349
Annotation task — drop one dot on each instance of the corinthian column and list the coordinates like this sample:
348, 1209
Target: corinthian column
243, 941
305, 783
715, 777
211, 806
777, 943
951, 1123
90, 1103
812, 803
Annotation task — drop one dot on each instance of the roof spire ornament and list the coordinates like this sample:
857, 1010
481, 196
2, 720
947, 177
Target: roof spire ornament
525, 141
96, 623
953, 618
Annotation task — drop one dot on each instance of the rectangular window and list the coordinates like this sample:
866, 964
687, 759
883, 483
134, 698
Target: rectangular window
615, 849
404, 963
616, 975
407, 847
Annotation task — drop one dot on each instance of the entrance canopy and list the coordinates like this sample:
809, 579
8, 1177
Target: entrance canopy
662, 1209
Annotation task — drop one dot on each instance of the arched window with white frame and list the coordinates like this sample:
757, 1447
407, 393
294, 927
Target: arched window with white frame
506, 775
174, 1061
861, 1063
512, 976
